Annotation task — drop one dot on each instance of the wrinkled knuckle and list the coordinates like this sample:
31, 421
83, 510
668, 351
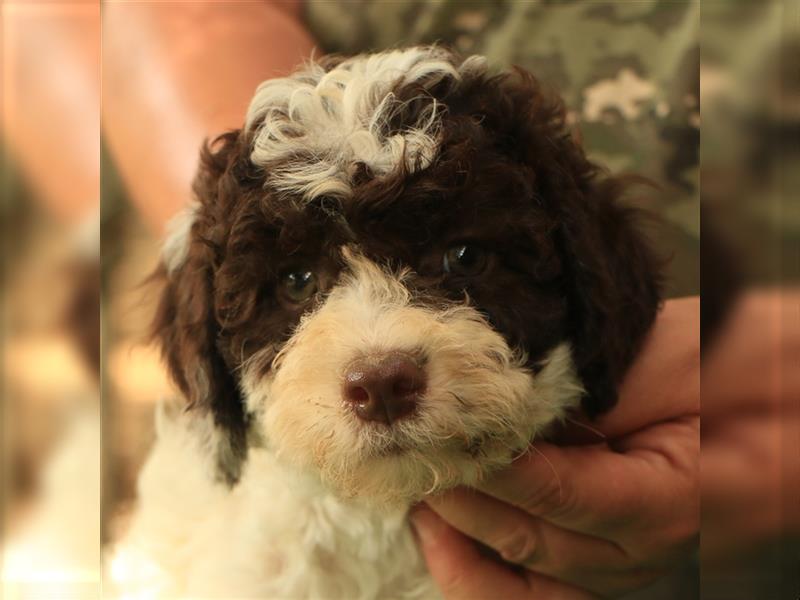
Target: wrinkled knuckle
518, 547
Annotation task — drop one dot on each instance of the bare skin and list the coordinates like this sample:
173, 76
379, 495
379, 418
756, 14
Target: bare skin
751, 430
177, 73
51, 107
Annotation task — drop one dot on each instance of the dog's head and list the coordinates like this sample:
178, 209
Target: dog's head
398, 272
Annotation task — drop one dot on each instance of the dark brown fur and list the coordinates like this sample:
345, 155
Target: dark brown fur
567, 260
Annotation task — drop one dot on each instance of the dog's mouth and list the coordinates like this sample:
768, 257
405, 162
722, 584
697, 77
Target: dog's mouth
381, 441
385, 442
391, 449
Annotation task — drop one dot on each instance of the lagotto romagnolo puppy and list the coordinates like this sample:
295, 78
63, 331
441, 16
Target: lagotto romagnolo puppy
399, 272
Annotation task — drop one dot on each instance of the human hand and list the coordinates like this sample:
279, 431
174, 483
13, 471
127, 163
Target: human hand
591, 519
751, 430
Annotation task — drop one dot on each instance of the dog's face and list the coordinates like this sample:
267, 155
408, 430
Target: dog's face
398, 272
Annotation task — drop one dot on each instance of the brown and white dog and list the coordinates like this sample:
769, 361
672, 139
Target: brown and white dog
399, 272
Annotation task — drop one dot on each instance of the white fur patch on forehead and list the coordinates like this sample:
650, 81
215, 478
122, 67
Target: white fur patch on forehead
340, 118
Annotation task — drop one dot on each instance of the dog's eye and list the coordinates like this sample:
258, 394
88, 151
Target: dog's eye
299, 285
464, 259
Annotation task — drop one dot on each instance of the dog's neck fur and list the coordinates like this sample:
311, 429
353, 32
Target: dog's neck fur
332, 548
277, 533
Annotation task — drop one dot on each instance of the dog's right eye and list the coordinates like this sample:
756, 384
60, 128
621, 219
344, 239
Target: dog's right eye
464, 259
299, 285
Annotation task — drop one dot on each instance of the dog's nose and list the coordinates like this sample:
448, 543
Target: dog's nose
384, 389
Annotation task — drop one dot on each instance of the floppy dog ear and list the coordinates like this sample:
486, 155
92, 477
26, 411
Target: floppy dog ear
613, 288
611, 274
186, 325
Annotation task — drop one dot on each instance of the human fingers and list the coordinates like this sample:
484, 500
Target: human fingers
751, 367
749, 488
594, 490
584, 561
461, 572
518, 537
555, 483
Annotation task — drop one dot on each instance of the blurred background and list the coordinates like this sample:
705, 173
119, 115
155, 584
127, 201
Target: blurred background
84, 209
50, 296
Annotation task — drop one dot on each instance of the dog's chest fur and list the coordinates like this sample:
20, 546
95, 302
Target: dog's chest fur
277, 534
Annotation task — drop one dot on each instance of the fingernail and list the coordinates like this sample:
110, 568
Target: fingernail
425, 523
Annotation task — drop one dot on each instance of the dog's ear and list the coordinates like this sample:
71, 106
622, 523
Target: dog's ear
613, 282
186, 325
612, 275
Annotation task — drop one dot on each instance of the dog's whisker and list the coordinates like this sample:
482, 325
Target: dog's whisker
597, 432
518, 453
553, 469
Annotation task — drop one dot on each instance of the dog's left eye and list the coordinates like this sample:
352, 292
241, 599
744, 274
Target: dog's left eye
299, 285
464, 259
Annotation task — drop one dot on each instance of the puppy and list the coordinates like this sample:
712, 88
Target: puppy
399, 272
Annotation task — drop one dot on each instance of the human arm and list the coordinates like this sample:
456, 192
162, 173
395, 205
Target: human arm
175, 74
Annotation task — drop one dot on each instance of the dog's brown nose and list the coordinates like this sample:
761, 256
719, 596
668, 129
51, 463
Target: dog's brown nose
384, 389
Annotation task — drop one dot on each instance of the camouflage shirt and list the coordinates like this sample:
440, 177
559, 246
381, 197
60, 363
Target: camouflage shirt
628, 71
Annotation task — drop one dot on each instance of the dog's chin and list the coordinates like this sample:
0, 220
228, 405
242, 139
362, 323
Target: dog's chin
392, 471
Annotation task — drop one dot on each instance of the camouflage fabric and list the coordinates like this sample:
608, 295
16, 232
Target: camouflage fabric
751, 120
628, 71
